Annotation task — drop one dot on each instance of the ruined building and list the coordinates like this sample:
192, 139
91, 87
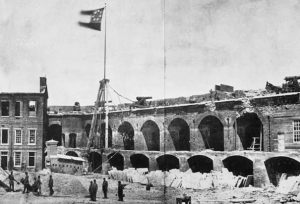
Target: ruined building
23, 120
246, 132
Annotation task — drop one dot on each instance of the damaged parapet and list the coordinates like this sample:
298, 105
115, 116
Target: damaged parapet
223, 87
63, 163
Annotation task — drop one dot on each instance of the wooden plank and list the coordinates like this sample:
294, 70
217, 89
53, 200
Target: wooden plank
242, 200
249, 180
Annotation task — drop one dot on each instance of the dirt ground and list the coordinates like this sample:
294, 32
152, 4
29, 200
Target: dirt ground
74, 189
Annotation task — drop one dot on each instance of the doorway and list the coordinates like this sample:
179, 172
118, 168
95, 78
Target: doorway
4, 160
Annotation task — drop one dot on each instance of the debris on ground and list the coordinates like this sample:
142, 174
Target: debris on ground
177, 179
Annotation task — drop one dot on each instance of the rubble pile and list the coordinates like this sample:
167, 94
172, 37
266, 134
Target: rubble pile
175, 178
130, 175
288, 184
3, 174
3, 177
290, 187
64, 184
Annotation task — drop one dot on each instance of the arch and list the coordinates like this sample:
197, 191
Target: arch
139, 161
116, 160
72, 140
249, 126
127, 132
278, 165
239, 165
150, 131
95, 160
55, 132
180, 134
167, 162
102, 136
72, 153
200, 163
87, 129
212, 132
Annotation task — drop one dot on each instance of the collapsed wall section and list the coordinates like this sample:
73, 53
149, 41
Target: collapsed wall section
278, 165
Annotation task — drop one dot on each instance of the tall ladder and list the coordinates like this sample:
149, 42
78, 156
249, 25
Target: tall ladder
100, 102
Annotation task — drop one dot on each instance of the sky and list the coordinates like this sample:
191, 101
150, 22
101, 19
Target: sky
242, 43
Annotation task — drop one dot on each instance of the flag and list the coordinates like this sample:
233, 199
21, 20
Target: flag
96, 17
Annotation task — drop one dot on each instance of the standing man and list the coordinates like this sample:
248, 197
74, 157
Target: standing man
104, 188
11, 181
26, 183
120, 191
50, 184
95, 189
39, 185
91, 190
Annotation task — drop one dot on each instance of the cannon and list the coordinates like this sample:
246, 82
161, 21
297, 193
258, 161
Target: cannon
292, 84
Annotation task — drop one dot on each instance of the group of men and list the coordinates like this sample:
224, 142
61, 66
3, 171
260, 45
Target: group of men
36, 187
94, 188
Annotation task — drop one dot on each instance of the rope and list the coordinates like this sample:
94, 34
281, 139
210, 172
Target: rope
120, 94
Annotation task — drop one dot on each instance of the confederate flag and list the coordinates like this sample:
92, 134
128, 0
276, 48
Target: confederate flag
96, 17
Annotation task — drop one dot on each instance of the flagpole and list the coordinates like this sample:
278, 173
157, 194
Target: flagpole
105, 87
105, 44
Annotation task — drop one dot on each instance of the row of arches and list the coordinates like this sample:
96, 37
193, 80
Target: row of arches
238, 165
210, 128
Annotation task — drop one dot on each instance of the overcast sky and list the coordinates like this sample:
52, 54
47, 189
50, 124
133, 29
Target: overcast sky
243, 43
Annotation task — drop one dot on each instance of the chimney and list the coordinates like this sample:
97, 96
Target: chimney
43, 83
43, 86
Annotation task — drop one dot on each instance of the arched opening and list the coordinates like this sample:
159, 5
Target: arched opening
249, 127
278, 165
200, 163
102, 136
72, 154
95, 161
239, 165
87, 129
116, 160
212, 132
150, 131
72, 140
139, 161
167, 162
180, 134
55, 133
127, 133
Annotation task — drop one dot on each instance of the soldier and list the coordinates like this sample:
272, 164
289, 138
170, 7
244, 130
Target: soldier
91, 190
120, 191
104, 188
11, 181
26, 183
39, 185
94, 190
50, 184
